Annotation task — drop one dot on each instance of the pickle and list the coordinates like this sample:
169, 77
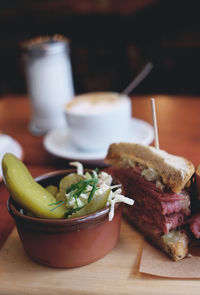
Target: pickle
98, 202
29, 194
52, 189
65, 183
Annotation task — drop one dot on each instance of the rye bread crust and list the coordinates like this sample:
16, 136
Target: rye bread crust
175, 171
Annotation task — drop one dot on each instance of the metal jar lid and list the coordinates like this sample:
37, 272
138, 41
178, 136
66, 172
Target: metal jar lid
42, 46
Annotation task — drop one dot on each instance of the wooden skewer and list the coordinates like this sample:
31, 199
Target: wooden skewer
153, 108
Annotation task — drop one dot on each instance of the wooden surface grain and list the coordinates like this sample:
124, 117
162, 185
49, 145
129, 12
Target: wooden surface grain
115, 274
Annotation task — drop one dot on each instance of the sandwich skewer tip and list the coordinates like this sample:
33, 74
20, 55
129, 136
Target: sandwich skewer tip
153, 109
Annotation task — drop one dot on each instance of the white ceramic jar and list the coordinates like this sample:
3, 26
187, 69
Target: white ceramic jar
49, 83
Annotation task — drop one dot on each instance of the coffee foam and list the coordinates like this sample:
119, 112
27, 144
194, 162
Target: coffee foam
95, 103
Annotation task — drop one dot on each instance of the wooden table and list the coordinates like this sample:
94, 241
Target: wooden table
178, 123
178, 126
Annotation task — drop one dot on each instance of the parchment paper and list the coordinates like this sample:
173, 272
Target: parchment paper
156, 263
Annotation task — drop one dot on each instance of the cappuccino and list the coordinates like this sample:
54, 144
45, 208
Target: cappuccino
96, 103
98, 119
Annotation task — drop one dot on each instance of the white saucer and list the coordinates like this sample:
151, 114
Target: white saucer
58, 142
9, 145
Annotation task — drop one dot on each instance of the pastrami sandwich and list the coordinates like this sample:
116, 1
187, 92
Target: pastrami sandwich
160, 185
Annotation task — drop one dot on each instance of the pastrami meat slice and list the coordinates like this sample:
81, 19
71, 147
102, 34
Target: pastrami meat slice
195, 225
165, 209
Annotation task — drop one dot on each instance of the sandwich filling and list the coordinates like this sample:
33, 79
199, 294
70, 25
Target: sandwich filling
194, 223
155, 203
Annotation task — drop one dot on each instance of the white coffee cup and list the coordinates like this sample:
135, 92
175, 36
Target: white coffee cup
97, 119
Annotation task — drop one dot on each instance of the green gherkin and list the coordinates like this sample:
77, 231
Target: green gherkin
65, 183
52, 189
26, 191
98, 202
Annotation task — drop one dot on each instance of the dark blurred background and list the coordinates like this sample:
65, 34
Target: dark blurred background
111, 40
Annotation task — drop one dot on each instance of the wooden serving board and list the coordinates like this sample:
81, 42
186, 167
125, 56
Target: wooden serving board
116, 273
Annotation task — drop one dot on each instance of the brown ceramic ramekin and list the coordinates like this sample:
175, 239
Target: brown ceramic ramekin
66, 242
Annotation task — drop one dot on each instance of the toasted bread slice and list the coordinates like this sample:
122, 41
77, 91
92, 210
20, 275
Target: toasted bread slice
175, 171
174, 244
